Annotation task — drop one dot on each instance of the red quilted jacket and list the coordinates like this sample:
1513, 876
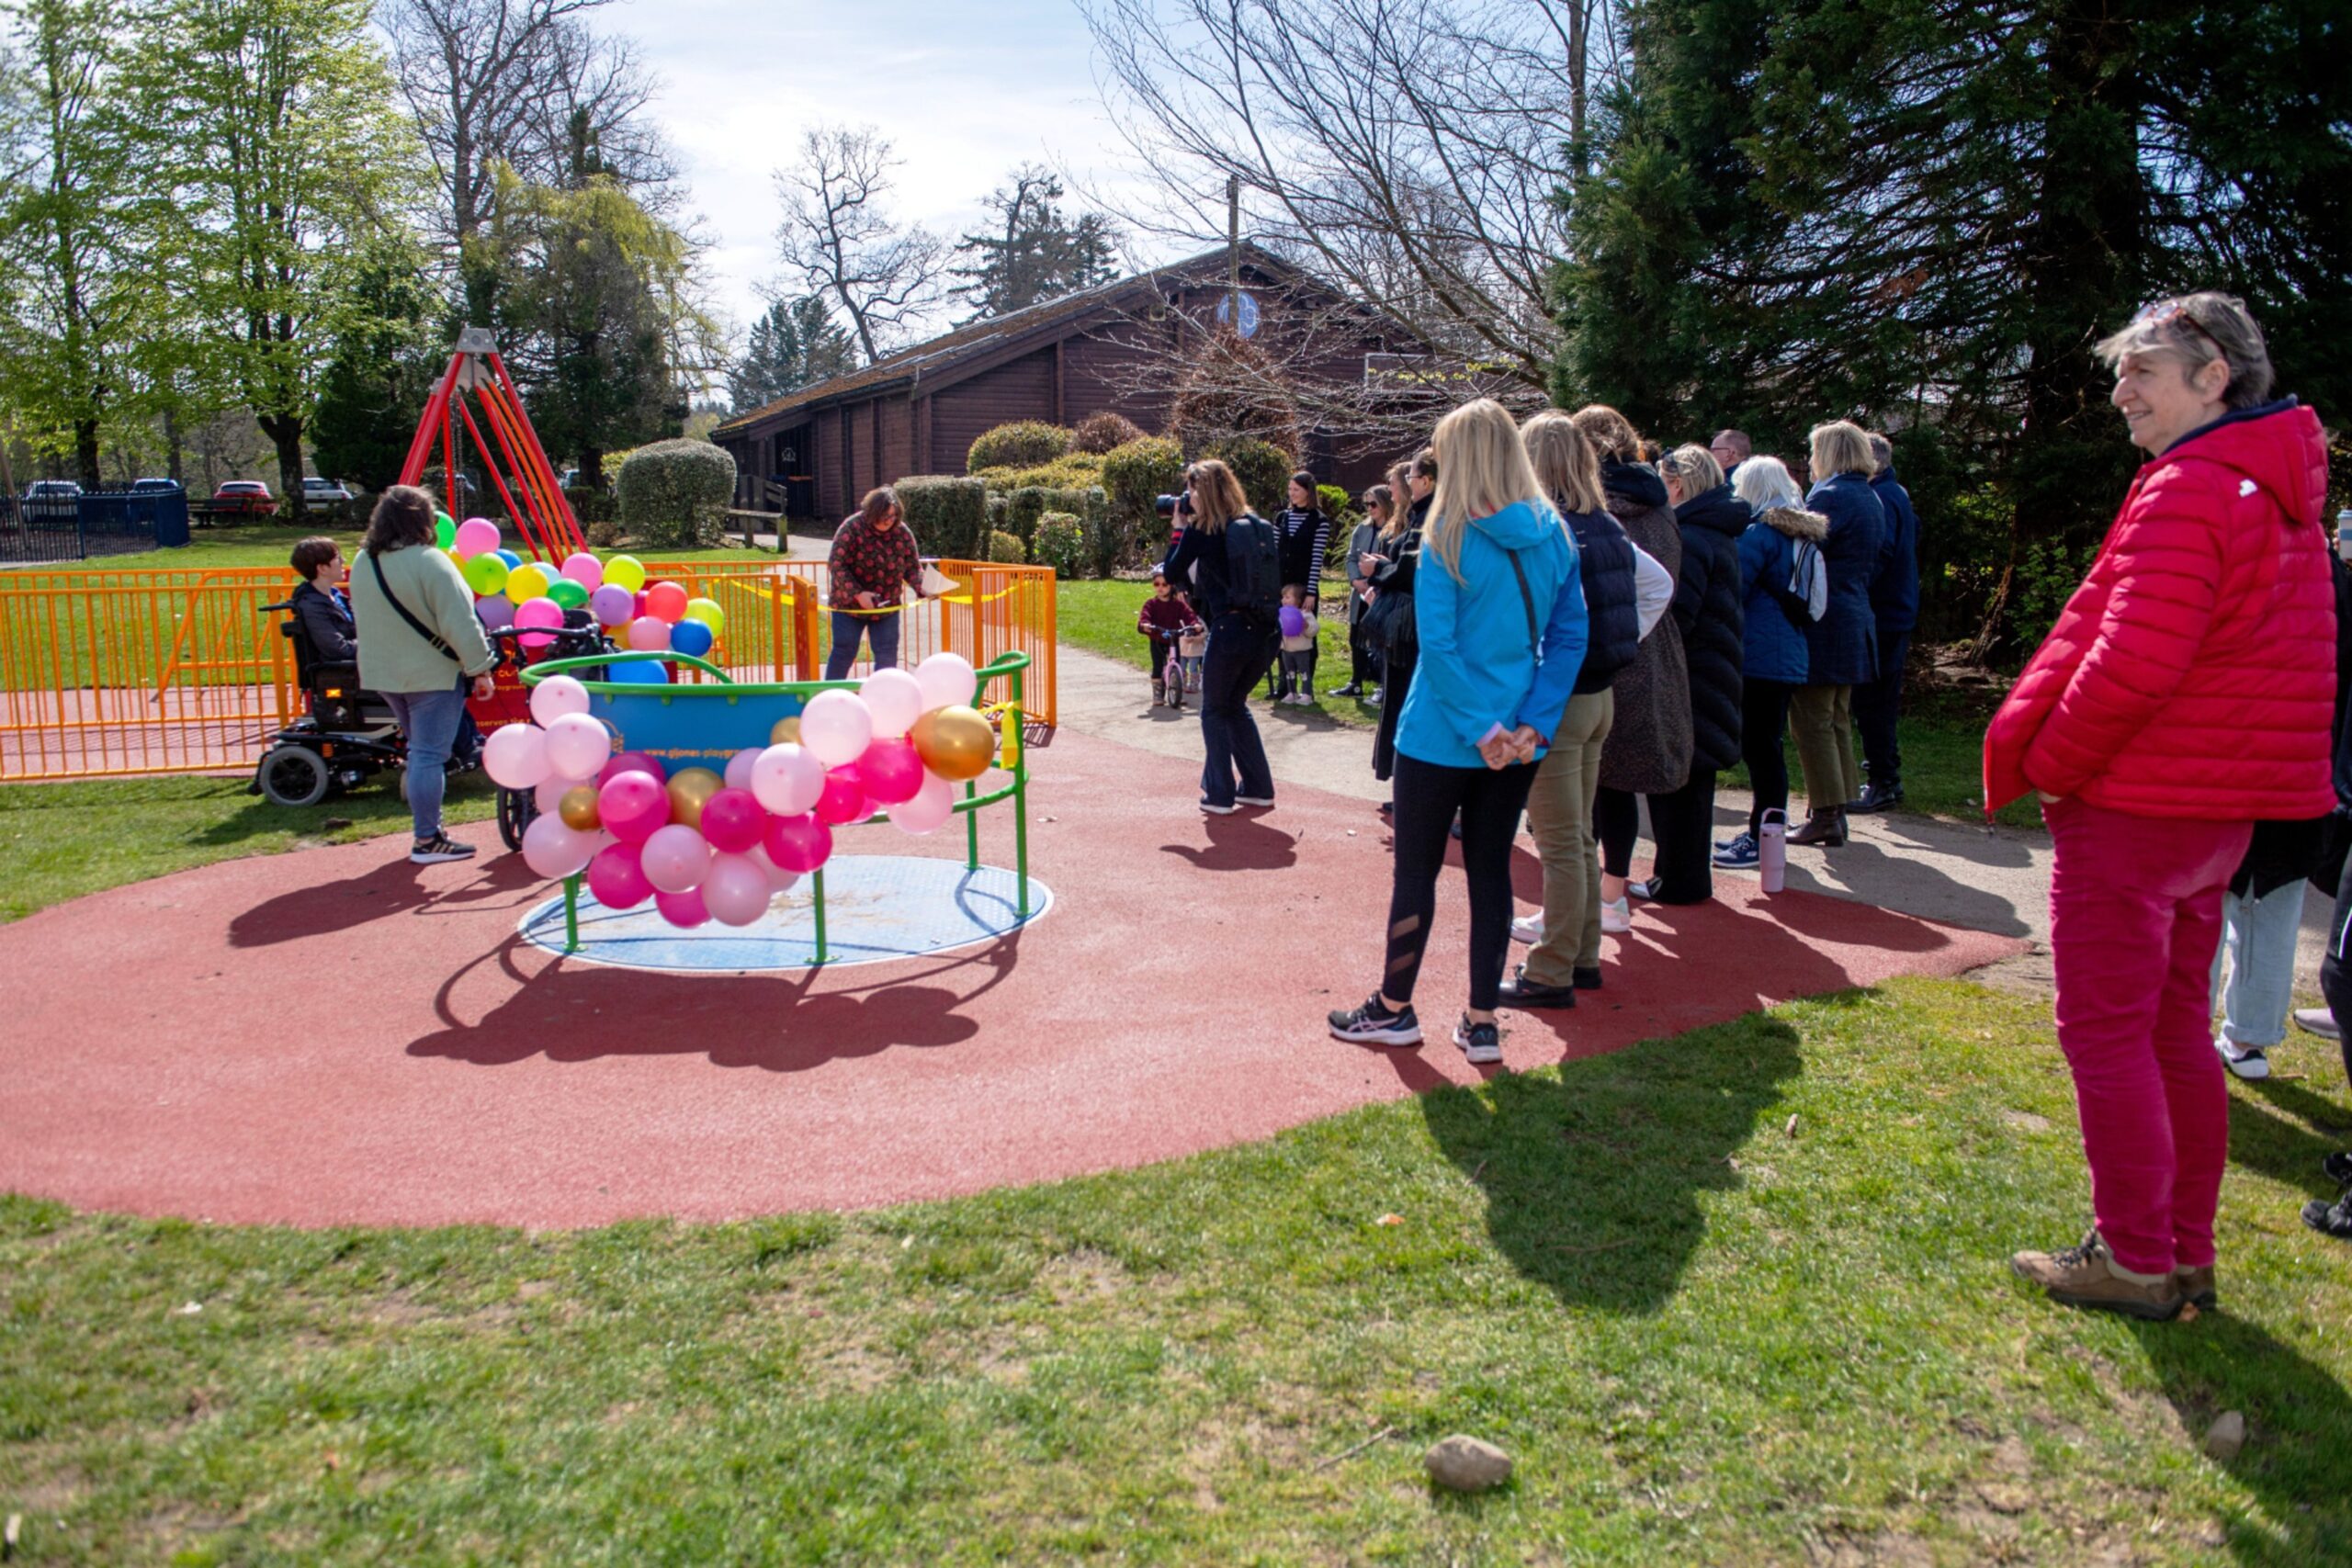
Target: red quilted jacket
2193, 671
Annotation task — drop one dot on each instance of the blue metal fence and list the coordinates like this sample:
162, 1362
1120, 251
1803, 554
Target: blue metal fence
108, 522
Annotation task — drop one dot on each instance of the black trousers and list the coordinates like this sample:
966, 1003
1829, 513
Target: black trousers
1428, 796
1364, 660
1683, 824
1763, 730
1616, 823
2335, 966
1877, 705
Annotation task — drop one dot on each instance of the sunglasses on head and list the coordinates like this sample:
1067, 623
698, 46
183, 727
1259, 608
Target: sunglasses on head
2166, 312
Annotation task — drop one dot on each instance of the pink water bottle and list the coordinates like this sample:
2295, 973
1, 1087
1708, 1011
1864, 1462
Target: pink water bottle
1772, 849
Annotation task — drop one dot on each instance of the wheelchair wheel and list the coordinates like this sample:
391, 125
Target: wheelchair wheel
516, 809
292, 775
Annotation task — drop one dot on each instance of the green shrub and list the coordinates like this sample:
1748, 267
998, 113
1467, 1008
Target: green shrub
1113, 542
1005, 548
591, 505
1024, 444
947, 513
1105, 432
999, 509
1138, 473
1077, 469
1059, 544
1337, 504
674, 494
1264, 469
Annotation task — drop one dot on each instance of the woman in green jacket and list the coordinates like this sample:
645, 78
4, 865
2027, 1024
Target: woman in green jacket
420, 643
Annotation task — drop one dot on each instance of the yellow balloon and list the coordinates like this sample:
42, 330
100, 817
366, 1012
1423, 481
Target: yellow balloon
785, 731
625, 571
954, 742
578, 809
689, 788
526, 582
707, 612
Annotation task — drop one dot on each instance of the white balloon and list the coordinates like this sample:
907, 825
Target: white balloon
556, 696
578, 746
836, 728
739, 767
895, 699
929, 810
788, 780
675, 859
554, 849
735, 890
947, 680
516, 756
779, 879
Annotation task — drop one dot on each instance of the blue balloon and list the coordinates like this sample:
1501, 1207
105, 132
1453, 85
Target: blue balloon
511, 558
639, 672
690, 637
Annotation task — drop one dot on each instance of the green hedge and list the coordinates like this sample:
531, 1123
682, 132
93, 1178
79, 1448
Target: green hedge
1005, 550
1021, 445
1138, 473
591, 504
674, 495
1026, 506
1060, 543
1264, 469
1075, 470
947, 513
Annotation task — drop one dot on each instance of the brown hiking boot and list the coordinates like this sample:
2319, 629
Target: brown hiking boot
2088, 1275
1826, 828
2196, 1286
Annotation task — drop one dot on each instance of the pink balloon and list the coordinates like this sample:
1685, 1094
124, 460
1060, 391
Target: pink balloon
779, 879
895, 699
675, 858
476, 535
798, 844
584, 569
633, 762
539, 613
649, 634
554, 849
739, 768
843, 799
929, 808
733, 821
892, 771
735, 889
618, 878
550, 793
788, 780
836, 727
632, 805
684, 910
516, 756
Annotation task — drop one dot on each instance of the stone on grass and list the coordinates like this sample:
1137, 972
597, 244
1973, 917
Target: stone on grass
2225, 1437
1466, 1463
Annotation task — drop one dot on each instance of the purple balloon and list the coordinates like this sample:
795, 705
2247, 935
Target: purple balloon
1294, 621
612, 605
496, 610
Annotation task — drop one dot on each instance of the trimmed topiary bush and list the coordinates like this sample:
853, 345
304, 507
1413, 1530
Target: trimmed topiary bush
674, 494
947, 513
1060, 543
1105, 432
1004, 549
1138, 473
1074, 471
1024, 443
1263, 470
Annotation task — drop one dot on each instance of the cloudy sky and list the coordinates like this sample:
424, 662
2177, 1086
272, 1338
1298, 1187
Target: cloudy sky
966, 89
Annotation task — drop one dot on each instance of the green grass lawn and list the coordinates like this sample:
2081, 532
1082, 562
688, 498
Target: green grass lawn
1100, 615
1704, 1337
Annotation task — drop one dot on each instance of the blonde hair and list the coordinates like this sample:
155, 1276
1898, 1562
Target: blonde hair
2194, 330
1400, 498
1839, 447
1564, 461
1217, 497
1611, 432
1482, 468
1764, 482
1694, 466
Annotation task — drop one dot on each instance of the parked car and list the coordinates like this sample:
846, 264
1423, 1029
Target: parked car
244, 498
318, 489
55, 500
155, 487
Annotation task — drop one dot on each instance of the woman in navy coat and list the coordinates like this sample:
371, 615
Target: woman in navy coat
1841, 646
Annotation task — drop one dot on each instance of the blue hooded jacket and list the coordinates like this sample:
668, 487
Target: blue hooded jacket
1478, 665
1774, 645
1895, 591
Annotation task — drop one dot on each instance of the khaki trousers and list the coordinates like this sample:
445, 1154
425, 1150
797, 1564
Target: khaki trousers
1822, 718
1559, 815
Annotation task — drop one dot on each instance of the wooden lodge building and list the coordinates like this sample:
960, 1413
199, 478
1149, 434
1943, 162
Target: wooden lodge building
816, 451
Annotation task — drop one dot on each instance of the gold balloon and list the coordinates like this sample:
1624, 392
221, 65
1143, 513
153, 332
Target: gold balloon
954, 742
578, 809
689, 787
785, 731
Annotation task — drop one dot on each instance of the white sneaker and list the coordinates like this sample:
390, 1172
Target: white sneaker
1616, 918
2245, 1061
1254, 800
1528, 927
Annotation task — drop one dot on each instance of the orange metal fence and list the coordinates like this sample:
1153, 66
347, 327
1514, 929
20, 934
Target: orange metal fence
116, 673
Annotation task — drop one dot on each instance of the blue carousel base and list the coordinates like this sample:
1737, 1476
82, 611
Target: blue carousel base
877, 908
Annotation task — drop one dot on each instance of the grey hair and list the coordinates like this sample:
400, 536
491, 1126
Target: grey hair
1766, 482
2192, 331
1881, 452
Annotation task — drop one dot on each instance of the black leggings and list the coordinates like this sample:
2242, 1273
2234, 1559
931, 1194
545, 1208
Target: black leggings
1428, 796
1616, 822
1763, 727
2335, 965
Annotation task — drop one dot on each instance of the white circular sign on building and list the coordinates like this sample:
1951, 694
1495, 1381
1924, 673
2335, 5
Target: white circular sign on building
1249, 327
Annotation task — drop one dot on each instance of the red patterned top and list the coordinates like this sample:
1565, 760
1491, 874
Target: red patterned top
867, 559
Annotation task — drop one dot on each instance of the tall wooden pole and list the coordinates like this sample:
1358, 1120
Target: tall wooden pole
1233, 248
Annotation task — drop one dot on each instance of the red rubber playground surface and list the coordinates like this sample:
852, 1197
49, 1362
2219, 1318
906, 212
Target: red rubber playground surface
334, 1036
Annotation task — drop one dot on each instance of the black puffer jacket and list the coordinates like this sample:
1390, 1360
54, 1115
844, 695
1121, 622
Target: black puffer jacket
1708, 606
1605, 563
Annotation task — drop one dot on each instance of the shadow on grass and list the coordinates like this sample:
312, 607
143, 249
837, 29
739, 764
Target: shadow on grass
2287, 1148
1592, 1176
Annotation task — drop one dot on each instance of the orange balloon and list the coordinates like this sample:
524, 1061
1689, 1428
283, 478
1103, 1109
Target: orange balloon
578, 809
689, 787
954, 742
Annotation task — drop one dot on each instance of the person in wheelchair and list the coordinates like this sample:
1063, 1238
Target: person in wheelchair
325, 614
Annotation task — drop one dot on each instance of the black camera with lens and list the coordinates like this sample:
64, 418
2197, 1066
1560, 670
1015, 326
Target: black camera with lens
1169, 505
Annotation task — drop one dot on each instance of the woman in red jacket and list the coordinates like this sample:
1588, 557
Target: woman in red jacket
2183, 696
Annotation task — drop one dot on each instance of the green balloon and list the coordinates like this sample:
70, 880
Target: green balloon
486, 574
445, 530
568, 594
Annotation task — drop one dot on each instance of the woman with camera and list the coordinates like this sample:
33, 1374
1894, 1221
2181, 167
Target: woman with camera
1234, 557
1389, 572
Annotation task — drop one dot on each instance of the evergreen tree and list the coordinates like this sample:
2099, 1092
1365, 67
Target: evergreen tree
794, 344
386, 359
1036, 254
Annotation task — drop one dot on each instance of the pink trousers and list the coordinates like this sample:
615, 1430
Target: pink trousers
2135, 913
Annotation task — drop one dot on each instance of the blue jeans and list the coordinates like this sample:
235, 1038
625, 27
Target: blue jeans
429, 720
2258, 939
1241, 649
882, 629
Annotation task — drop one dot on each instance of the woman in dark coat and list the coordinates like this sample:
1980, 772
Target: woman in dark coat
1649, 746
1708, 610
1841, 646
1773, 655
1401, 557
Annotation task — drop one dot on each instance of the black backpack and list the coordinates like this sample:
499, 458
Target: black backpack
1253, 566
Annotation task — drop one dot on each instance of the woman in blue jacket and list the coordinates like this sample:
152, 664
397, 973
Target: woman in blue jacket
1773, 654
1501, 615
1842, 646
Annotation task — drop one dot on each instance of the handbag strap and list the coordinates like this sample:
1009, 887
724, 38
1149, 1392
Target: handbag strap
440, 644
1527, 602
